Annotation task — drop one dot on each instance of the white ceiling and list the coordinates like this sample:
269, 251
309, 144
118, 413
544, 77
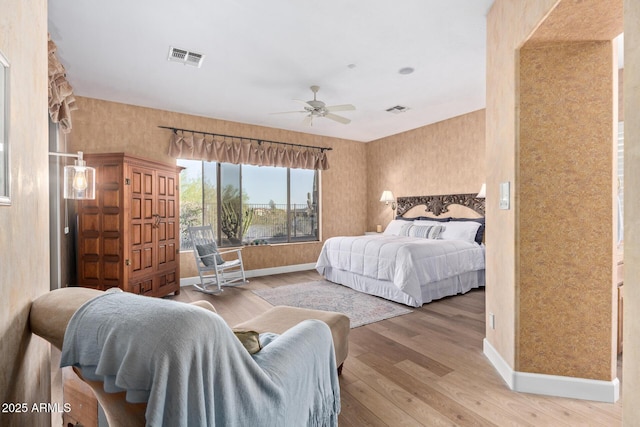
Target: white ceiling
260, 55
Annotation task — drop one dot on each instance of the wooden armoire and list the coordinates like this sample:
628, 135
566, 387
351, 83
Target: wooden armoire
129, 236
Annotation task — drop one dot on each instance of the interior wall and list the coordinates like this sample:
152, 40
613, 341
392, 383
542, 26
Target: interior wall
631, 339
565, 173
509, 24
447, 157
102, 126
24, 243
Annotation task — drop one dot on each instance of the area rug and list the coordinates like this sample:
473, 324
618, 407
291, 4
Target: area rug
323, 295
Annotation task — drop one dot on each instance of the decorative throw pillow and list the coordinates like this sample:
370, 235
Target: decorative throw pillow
249, 339
405, 230
427, 231
209, 249
422, 231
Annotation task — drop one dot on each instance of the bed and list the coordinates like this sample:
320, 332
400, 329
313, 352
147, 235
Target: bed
417, 259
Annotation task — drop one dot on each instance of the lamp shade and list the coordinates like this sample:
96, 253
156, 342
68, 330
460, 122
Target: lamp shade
483, 192
387, 197
79, 181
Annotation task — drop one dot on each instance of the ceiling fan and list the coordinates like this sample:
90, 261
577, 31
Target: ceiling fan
315, 108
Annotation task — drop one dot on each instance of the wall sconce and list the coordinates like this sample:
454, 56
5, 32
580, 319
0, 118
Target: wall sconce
483, 192
387, 197
79, 179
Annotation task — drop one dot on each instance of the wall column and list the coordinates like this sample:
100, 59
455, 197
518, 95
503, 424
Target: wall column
566, 212
631, 352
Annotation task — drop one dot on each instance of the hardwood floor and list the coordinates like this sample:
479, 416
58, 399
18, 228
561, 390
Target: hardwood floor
425, 368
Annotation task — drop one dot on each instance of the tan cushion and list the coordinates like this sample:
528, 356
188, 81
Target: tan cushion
204, 304
51, 312
280, 318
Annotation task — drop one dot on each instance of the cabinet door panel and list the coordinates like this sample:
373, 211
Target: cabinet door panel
171, 230
148, 233
162, 185
148, 258
136, 260
136, 234
162, 255
171, 252
148, 208
162, 231
136, 208
162, 207
142, 225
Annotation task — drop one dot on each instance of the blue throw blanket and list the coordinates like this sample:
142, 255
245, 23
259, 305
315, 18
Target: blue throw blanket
189, 367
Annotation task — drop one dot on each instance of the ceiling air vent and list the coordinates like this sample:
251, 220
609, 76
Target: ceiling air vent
397, 109
185, 57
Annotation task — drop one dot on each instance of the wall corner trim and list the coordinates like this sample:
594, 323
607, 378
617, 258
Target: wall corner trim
498, 363
552, 385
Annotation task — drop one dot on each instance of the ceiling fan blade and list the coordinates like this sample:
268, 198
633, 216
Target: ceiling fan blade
289, 112
344, 107
337, 118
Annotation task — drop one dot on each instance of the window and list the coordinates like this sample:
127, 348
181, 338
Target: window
251, 205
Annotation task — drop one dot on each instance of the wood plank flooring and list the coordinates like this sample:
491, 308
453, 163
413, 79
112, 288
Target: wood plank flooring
425, 368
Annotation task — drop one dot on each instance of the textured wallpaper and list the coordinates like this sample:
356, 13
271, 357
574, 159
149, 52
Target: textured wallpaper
447, 157
565, 181
102, 126
24, 225
438, 159
527, 343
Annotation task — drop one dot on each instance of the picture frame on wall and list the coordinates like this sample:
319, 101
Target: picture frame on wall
5, 171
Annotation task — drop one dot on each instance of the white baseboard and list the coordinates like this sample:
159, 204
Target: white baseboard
552, 385
498, 363
186, 281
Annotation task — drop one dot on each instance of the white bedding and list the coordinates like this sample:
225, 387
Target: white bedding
407, 265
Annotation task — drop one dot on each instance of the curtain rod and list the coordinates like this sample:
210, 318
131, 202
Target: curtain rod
260, 141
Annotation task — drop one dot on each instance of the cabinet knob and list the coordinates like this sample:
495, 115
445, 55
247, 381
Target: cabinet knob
127, 262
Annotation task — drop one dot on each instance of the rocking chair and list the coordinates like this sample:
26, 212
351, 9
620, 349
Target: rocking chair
214, 271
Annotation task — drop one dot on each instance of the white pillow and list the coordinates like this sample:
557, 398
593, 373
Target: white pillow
460, 230
394, 227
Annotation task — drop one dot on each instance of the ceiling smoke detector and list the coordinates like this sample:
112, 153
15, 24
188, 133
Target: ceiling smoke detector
397, 109
185, 57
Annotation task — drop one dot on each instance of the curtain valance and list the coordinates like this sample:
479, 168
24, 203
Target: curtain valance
237, 150
61, 99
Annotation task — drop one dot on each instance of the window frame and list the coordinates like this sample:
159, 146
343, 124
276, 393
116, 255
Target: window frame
290, 214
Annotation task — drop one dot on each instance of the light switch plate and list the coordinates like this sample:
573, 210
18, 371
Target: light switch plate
504, 195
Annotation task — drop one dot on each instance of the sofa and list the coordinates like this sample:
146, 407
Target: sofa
299, 350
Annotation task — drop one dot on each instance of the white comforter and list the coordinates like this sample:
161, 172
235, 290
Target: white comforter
407, 262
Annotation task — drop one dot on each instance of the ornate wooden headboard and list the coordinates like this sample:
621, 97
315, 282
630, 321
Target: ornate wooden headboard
439, 204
